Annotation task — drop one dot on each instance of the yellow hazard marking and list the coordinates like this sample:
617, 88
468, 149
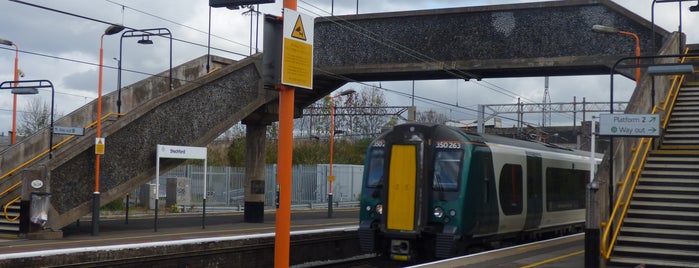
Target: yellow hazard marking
401, 191
299, 32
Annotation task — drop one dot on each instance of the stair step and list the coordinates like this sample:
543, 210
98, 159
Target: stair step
660, 231
672, 165
686, 148
659, 197
664, 204
650, 240
9, 228
662, 222
678, 189
668, 181
647, 261
669, 173
679, 136
679, 124
663, 212
644, 250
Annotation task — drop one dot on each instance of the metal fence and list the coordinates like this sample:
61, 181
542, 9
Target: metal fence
225, 185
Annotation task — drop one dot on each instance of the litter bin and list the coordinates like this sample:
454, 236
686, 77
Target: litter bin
39, 208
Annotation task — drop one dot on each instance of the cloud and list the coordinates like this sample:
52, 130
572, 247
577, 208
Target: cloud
63, 37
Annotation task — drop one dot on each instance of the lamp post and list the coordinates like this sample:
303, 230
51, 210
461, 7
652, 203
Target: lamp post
612, 30
145, 35
652, 20
111, 30
331, 177
13, 137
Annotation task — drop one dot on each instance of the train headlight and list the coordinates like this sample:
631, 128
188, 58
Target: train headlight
438, 212
368, 208
379, 209
452, 212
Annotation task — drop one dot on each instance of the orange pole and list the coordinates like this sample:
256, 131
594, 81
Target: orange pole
282, 241
638, 54
14, 97
332, 141
286, 139
99, 116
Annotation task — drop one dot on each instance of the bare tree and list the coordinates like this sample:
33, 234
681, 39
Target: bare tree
36, 117
431, 116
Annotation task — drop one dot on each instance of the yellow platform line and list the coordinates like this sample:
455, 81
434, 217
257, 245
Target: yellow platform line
553, 259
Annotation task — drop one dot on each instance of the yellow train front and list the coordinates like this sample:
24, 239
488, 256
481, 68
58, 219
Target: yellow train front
431, 191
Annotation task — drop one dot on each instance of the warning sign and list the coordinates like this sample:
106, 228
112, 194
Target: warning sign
299, 32
99, 145
297, 50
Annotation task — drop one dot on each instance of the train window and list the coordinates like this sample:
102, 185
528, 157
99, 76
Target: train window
447, 164
375, 167
510, 187
565, 189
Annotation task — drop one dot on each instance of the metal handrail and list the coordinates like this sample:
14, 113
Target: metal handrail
633, 174
55, 146
7, 217
40, 155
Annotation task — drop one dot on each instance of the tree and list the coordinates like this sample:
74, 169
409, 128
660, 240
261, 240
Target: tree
37, 116
431, 116
358, 114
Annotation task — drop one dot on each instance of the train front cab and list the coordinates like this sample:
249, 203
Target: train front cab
412, 200
405, 193
394, 194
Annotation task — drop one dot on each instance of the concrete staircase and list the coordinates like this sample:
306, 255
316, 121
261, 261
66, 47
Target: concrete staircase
661, 227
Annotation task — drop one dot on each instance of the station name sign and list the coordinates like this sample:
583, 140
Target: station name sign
181, 152
632, 125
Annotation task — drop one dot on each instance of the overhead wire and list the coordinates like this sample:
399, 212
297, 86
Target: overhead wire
176, 23
412, 53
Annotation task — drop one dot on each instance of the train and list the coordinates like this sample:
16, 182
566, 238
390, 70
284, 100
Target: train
431, 191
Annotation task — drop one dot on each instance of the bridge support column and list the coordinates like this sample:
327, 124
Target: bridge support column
255, 140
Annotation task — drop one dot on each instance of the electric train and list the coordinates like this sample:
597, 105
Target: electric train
430, 191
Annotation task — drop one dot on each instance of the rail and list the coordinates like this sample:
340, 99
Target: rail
628, 187
39, 156
7, 217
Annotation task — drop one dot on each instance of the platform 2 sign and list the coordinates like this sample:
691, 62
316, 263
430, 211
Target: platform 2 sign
631, 125
297, 50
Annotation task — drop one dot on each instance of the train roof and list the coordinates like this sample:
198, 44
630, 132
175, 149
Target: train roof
495, 139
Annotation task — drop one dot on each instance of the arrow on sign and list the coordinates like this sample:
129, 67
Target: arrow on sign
652, 129
652, 119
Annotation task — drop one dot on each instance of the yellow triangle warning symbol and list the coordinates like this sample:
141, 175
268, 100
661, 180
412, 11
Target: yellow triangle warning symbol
299, 32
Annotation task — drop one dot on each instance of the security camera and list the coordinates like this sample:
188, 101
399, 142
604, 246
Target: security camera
20, 73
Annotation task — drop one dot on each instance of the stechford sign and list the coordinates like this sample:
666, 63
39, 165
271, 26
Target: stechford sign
633, 125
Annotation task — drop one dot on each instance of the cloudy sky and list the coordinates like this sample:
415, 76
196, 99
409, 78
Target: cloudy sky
65, 49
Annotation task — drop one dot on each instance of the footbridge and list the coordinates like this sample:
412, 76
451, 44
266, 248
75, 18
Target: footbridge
534, 39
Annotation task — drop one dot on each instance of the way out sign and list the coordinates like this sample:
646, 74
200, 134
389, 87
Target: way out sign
297, 50
632, 125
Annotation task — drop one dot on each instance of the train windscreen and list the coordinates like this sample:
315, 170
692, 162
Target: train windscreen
375, 172
447, 164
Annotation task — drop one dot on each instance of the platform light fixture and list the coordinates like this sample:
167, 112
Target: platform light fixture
611, 30
145, 41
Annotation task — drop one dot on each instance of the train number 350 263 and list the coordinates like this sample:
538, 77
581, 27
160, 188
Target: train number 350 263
447, 145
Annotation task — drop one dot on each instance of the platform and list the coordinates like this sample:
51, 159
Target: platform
559, 252
140, 229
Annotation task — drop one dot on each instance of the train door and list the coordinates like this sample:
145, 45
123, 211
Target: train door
401, 188
534, 191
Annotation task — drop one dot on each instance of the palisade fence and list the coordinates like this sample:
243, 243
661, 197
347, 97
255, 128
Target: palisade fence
225, 185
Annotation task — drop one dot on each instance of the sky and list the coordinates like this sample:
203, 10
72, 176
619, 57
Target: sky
64, 49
